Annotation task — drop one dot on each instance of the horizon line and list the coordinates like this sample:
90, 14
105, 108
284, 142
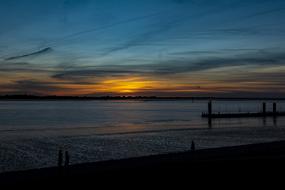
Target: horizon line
123, 97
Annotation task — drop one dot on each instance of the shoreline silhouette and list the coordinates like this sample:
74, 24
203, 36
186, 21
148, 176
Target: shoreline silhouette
248, 159
55, 98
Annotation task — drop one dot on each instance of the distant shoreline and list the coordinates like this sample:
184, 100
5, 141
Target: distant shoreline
139, 98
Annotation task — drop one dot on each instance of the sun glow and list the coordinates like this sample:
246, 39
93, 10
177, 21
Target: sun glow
128, 85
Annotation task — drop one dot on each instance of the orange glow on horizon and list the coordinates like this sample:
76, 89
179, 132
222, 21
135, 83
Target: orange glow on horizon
127, 85
186, 84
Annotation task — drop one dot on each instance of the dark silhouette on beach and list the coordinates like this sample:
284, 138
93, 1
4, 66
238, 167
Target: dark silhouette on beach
67, 159
193, 146
60, 158
266, 159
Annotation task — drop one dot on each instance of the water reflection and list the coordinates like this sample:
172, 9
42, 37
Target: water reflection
129, 116
275, 121
243, 122
264, 121
210, 123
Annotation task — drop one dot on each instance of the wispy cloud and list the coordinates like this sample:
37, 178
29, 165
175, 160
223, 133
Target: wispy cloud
175, 66
31, 86
36, 53
190, 45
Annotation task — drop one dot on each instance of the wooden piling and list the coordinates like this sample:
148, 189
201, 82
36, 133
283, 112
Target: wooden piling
274, 108
264, 108
60, 158
210, 111
263, 113
67, 159
193, 146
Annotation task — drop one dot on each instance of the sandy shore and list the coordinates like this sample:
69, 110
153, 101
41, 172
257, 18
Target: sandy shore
22, 151
249, 159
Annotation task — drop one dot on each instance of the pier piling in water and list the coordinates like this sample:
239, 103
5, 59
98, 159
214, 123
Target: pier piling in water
274, 108
263, 113
210, 111
60, 158
264, 108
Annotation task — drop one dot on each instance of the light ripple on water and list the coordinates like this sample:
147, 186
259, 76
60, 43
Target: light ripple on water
32, 132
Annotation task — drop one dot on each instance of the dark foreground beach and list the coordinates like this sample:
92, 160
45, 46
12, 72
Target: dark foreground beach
257, 161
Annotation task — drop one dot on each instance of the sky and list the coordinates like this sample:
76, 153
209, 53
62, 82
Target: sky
151, 48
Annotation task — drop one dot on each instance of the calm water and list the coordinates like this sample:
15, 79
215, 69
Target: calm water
124, 116
31, 132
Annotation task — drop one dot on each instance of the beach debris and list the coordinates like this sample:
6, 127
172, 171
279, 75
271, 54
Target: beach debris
67, 159
60, 158
193, 146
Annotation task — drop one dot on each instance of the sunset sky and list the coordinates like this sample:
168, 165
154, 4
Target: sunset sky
143, 47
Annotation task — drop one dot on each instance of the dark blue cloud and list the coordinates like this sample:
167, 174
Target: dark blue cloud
176, 66
36, 53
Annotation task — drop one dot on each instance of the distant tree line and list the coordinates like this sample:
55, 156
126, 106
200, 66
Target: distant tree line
35, 97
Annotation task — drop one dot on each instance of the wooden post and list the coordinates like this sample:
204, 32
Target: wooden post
274, 108
210, 108
193, 146
210, 124
60, 158
210, 112
67, 159
264, 108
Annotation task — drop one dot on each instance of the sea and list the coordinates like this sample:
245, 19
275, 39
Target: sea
32, 132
